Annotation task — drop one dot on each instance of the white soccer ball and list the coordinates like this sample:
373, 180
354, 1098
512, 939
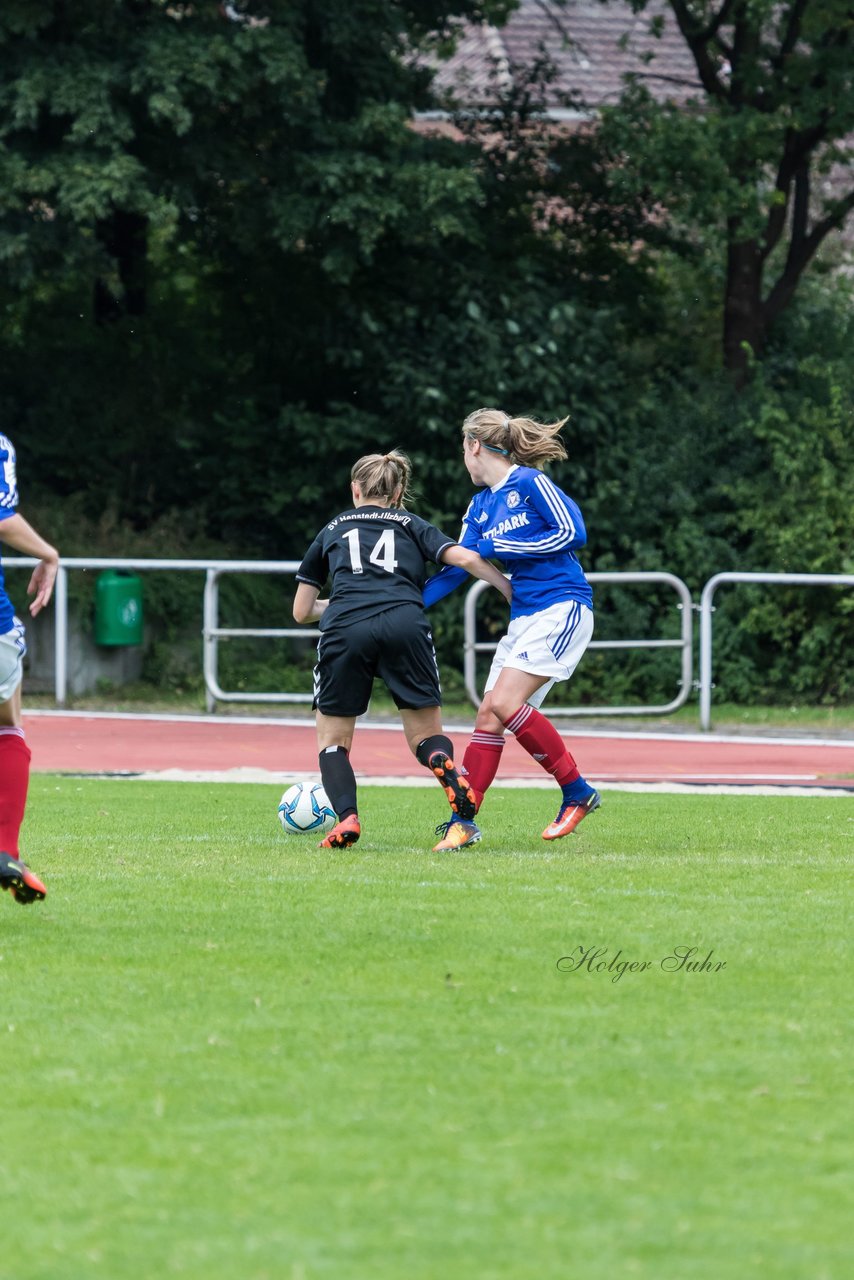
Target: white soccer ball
305, 808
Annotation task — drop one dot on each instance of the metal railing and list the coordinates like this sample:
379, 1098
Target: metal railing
472, 647
707, 609
212, 632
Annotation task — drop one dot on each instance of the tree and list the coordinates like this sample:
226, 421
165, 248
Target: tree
186, 193
761, 154
121, 119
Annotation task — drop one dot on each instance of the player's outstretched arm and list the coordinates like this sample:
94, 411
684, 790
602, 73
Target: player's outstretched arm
20, 535
307, 607
474, 564
442, 584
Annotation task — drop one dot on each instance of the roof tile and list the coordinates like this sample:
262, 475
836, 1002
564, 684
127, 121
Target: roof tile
592, 46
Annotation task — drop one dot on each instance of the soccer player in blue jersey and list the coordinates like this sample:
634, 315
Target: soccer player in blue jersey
24, 886
523, 519
374, 624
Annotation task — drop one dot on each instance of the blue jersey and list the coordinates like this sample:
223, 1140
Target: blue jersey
8, 504
534, 528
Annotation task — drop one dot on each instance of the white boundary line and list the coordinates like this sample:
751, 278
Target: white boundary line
304, 723
277, 779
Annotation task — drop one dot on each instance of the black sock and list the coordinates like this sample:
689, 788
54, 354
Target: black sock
339, 780
438, 742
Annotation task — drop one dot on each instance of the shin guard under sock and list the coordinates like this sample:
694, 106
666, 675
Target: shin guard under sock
438, 742
339, 780
543, 743
481, 761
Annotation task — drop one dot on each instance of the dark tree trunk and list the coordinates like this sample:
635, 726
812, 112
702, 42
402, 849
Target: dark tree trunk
125, 237
744, 319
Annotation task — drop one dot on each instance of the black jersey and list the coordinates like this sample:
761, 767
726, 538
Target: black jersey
377, 559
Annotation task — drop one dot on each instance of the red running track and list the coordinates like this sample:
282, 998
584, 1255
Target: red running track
73, 742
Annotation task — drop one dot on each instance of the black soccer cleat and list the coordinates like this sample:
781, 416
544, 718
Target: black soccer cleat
24, 886
460, 795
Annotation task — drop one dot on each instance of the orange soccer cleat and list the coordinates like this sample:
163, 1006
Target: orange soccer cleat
456, 834
459, 793
569, 816
347, 832
24, 886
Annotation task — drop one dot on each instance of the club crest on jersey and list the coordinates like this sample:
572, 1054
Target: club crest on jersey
513, 499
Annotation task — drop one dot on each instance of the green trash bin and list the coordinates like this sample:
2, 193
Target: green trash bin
118, 608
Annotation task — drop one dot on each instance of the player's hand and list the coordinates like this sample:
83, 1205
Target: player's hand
41, 585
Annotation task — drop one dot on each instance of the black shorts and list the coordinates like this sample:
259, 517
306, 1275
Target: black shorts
396, 645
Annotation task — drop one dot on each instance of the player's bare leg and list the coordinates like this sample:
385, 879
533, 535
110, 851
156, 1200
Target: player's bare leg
334, 731
10, 710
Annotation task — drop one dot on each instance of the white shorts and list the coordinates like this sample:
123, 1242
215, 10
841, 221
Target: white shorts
13, 646
550, 643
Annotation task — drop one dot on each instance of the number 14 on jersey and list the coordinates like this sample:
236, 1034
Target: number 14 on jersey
382, 552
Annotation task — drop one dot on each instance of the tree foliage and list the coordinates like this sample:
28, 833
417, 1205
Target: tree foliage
189, 200
759, 159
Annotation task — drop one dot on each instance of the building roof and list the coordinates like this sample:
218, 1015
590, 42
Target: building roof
592, 46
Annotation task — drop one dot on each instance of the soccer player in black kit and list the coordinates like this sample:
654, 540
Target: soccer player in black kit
374, 624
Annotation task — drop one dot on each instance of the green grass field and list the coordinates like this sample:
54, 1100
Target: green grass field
228, 1055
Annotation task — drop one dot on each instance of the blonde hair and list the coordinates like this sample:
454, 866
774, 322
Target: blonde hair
383, 475
522, 440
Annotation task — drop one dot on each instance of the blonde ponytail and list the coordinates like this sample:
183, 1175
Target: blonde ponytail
383, 475
522, 440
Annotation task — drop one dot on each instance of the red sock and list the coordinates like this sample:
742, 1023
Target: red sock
481, 761
14, 779
543, 743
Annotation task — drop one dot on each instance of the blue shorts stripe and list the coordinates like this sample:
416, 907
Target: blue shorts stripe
565, 638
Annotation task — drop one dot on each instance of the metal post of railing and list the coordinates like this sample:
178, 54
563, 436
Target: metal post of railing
706, 611
210, 609
60, 663
60, 634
